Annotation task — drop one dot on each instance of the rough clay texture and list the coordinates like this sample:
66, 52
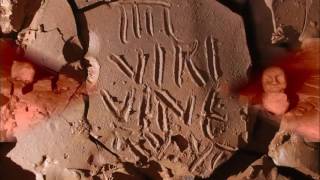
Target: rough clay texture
54, 28
16, 14
307, 17
305, 24
161, 104
160, 94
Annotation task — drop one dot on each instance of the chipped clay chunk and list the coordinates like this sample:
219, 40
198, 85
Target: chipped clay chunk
289, 149
55, 31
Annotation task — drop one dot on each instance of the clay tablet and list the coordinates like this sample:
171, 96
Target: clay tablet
163, 66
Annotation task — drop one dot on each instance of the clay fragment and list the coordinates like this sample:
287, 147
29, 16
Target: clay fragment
15, 14
290, 150
47, 30
155, 84
288, 29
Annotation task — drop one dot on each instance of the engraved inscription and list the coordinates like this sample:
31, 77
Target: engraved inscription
179, 66
215, 160
198, 161
136, 19
125, 111
165, 145
159, 64
147, 2
142, 62
166, 98
194, 143
149, 22
193, 70
128, 105
167, 22
109, 104
211, 56
162, 118
122, 64
123, 26
226, 147
188, 115
185, 58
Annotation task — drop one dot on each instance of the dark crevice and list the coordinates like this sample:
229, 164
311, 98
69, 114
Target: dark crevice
243, 8
94, 5
240, 161
10, 170
293, 174
81, 24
